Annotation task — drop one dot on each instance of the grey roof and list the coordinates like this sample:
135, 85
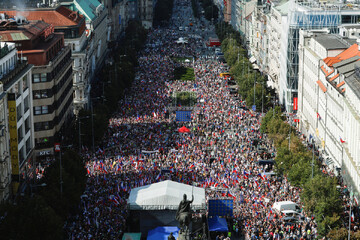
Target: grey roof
283, 7
332, 41
349, 61
353, 82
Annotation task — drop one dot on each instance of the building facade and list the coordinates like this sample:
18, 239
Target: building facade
16, 116
51, 82
72, 24
146, 12
227, 11
277, 16
328, 93
118, 17
97, 31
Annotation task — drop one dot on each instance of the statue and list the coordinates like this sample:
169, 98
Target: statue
183, 214
171, 237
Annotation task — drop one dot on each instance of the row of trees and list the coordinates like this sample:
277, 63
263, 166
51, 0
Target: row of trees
242, 70
195, 8
43, 213
115, 78
320, 195
211, 11
163, 11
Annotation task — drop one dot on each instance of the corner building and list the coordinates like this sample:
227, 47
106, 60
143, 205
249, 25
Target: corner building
52, 87
16, 122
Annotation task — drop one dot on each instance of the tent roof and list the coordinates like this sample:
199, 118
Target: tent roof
162, 233
165, 195
217, 224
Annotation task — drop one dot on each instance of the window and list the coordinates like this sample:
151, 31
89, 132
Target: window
21, 154
28, 146
44, 94
41, 110
26, 104
25, 83
18, 112
27, 125
36, 78
37, 111
43, 77
37, 95
41, 94
45, 109
20, 135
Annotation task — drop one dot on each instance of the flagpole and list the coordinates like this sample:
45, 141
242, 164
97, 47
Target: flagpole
350, 217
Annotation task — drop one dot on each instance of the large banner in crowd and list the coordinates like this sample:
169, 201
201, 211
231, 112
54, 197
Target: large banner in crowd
221, 207
183, 116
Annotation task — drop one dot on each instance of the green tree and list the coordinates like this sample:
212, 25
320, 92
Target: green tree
321, 197
31, 218
74, 179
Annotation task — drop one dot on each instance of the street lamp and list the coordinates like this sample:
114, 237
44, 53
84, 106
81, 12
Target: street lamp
80, 118
92, 122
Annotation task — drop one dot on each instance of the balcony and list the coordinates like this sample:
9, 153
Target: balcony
21, 68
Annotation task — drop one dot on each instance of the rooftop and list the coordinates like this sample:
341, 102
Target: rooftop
11, 32
89, 8
332, 41
352, 51
60, 16
353, 81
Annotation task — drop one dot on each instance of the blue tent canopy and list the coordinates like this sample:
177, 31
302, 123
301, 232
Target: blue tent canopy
162, 233
217, 224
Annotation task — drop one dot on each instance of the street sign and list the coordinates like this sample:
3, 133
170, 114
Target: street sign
254, 108
57, 147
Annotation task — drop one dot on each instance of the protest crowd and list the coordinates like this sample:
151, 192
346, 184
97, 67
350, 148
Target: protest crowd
218, 153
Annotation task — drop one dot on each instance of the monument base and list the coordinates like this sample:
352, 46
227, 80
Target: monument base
184, 235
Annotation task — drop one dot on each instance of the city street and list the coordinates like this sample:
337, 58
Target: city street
218, 154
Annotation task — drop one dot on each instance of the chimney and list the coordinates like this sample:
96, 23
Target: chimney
358, 43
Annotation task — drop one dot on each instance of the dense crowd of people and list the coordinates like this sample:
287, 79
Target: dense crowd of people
220, 153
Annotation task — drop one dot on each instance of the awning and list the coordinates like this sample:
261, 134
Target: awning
131, 236
162, 233
252, 59
321, 85
217, 224
183, 130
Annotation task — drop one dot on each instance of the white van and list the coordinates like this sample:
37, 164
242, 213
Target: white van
286, 205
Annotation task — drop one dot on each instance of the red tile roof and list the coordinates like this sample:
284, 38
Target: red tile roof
333, 78
24, 32
321, 85
57, 17
340, 84
352, 51
325, 71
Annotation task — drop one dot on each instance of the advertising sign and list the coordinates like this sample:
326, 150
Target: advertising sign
295, 106
14, 153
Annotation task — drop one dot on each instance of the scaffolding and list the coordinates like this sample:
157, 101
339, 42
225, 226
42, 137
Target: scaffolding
310, 15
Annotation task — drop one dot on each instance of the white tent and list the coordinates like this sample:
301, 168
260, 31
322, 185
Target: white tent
165, 195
